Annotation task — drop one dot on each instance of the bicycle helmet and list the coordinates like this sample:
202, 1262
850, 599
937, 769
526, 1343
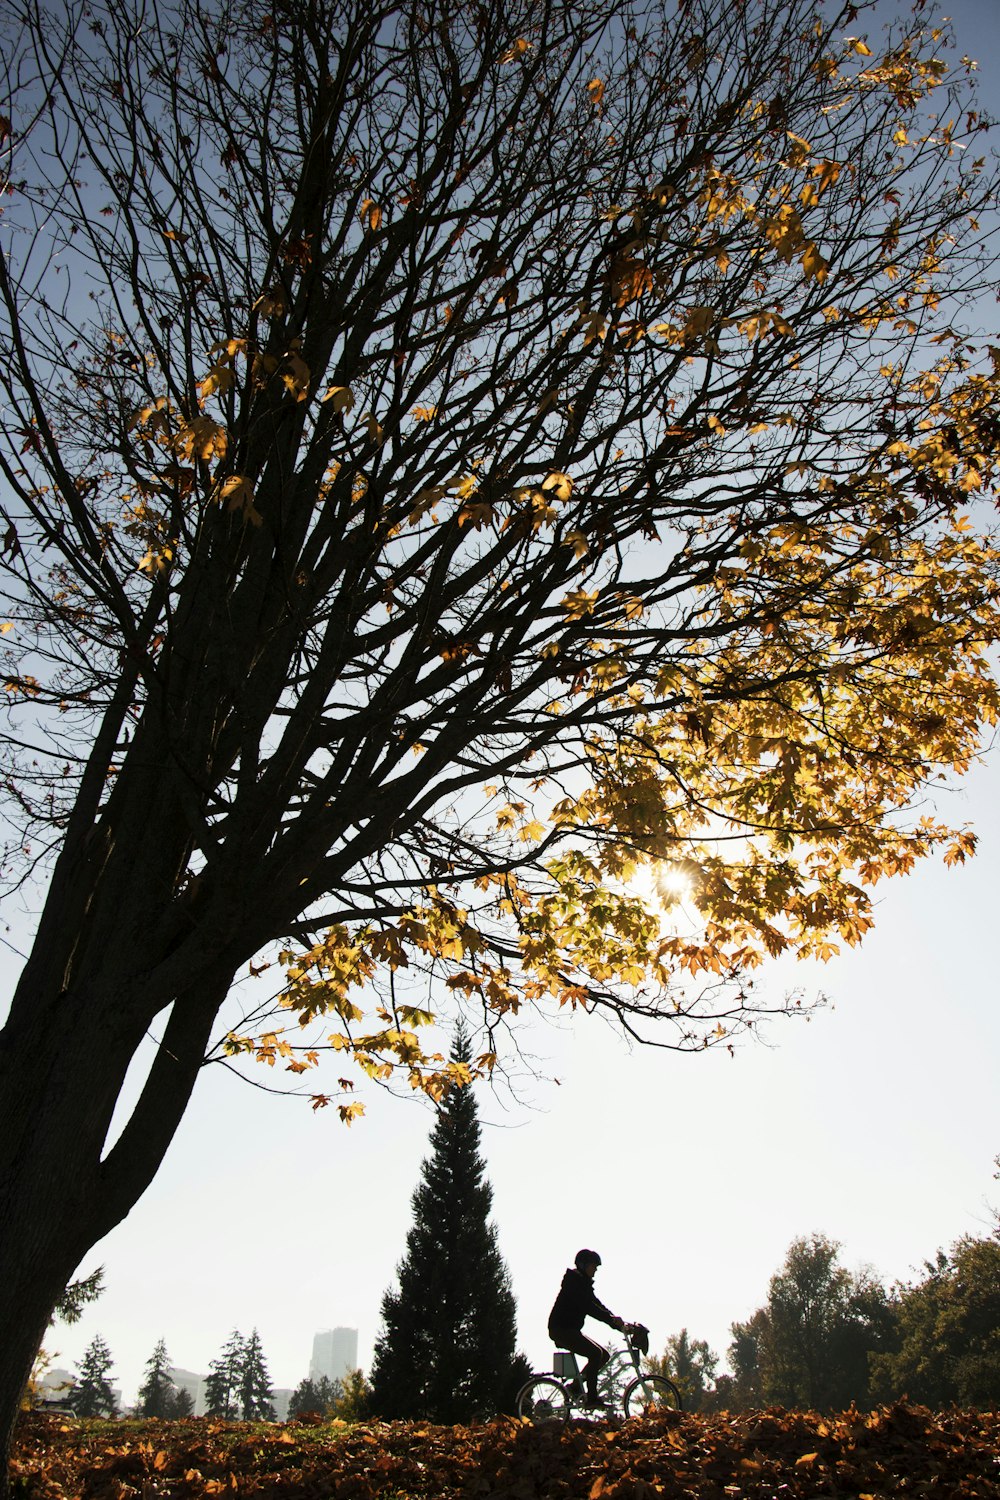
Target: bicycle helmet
586, 1257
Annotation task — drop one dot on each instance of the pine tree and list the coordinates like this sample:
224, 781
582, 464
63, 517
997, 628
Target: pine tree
319, 1395
447, 1343
254, 1387
223, 1383
92, 1395
180, 1404
157, 1389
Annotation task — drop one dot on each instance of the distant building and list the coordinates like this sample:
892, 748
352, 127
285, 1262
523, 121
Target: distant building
187, 1380
279, 1400
335, 1352
56, 1385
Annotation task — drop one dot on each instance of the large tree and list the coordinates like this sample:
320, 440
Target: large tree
222, 1384
811, 1344
947, 1331
449, 1326
457, 459
254, 1382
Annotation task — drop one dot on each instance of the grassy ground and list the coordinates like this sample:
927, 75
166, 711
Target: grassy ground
772, 1455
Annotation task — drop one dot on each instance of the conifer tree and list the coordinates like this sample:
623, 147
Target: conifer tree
180, 1404
156, 1391
222, 1388
92, 1395
253, 1392
447, 1343
319, 1395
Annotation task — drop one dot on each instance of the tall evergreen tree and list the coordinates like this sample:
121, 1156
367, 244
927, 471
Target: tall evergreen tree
447, 1343
181, 1404
812, 1343
319, 1395
156, 1391
92, 1395
254, 1387
222, 1387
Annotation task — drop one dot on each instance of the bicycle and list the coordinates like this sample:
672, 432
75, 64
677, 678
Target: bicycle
556, 1397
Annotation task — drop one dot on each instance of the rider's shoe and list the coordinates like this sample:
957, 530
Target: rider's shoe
596, 1403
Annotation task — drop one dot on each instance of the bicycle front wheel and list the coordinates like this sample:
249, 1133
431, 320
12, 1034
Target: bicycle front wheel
650, 1394
542, 1400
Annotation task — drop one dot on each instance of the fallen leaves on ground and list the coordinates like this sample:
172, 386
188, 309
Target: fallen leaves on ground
758, 1455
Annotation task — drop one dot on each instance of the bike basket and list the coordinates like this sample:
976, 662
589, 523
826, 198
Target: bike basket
563, 1365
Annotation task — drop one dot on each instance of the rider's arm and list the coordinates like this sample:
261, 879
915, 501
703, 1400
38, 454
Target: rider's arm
603, 1314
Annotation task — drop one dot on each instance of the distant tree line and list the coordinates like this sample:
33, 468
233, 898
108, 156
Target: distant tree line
238, 1387
827, 1337
345, 1400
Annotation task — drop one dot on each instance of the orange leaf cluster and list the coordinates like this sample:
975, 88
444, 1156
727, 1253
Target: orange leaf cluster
749, 1455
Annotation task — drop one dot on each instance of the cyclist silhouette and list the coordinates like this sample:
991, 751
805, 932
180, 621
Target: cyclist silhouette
575, 1301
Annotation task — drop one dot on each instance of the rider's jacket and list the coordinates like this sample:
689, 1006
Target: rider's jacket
575, 1301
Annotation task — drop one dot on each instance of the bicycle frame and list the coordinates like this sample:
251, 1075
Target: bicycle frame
622, 1384
624, 1364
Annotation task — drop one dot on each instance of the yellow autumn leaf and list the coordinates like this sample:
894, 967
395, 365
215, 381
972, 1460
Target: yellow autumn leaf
595, 88
580, 602
826, 173
296, 376
516, 50
155, 561
561, 485
236, 493
857, 45
475, 513
218, 380
814, 265
202, 438
369, 213
341, 397
425, 500
272, 304
532, 832
699, 321
229, 347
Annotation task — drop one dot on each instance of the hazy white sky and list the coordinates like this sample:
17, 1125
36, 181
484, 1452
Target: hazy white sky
876, 1123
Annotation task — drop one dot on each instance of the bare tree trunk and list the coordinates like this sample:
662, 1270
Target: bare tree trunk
60, 1192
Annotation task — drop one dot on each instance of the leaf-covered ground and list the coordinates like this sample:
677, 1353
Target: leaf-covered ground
765, 1455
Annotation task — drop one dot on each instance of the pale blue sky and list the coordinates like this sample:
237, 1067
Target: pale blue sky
876, 1123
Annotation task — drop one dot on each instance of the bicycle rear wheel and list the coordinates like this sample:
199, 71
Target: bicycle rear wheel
543, 1400
650, 1394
